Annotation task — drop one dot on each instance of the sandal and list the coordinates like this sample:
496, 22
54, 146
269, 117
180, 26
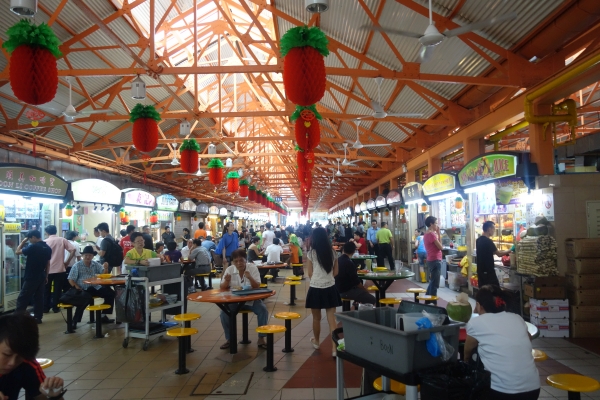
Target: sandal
224, 346
262, 345
314, 343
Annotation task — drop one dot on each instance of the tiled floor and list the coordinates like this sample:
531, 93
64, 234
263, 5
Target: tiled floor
103, 369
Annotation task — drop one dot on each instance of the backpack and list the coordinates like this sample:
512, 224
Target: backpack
114, 253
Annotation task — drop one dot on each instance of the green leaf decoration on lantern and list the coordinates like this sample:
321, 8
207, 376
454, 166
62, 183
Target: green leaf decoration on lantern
25, 32
154, 213
244, 182
252, 187
301, 36
233, 175
264, 194
190, 144
259, 192
458, 199
142, 111
215, 163
299, 110
298, 148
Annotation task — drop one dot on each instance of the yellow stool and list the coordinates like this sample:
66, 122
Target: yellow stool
263, 285
539, 355
298, 269
44, 362
92, 317
209, 276
267, 277
573, 384
390, 301
270, 330
293, 285
346, 304
181, 334
288, 317
375, 289
396, 387
294, 278
380, 269
428, 300
245, 339
187, 323
69, 309
98, 309
416, 292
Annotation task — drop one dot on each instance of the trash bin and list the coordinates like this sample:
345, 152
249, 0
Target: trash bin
457, 381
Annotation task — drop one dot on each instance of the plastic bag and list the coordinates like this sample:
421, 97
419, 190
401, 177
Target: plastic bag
130, 304
456, 381
436, 345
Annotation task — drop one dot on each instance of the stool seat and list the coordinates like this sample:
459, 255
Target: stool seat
268, 276
343, 299
287, 315
263, 285
45, 362
396, 387
380, 269
187, 317
539, 355
416, 290
573, 382
390, 300
373, 288
430, 298
245, 312
61, 305
205, 274
292, 283
213, 271
270, 329
179, 332
297, 265
294, 278
99, 307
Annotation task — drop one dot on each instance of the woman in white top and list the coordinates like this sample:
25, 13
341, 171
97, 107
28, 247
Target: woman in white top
322, 268
504, 345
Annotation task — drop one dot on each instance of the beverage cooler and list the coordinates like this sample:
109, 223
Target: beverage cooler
13, 266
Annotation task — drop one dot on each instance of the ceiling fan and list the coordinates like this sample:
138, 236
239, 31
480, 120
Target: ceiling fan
432, 37
379, 112
358, 145
71, 114
345, 162
174, 162
339, 173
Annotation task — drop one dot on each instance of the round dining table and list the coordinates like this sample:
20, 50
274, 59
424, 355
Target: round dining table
383, 280
223, 298
110, 281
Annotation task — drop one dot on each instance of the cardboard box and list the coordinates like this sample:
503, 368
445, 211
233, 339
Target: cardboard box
583, 266
585, 313
584, 297
550, 327
583, 248
583, 282
549, 309
546, 287
585, 329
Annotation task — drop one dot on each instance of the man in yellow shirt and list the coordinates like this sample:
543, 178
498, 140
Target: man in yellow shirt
200, 232
384, 238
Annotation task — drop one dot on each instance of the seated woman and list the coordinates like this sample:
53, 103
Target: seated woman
254, 254
242, 274
138, 255
172, 255
347, 281
19, 344
504, 345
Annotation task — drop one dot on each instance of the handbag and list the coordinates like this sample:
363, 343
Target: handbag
77, 298
130, 302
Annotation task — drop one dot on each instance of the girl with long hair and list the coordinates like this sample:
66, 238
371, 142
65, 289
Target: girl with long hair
322, 267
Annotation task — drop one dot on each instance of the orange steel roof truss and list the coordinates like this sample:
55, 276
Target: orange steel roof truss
217, 65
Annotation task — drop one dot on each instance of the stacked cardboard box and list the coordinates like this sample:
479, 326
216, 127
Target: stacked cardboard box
583, 282
550, 316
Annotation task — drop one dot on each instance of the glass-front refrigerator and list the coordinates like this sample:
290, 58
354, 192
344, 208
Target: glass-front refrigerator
11, 266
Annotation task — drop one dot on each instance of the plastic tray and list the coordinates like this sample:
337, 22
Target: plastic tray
250, 291
371, 335
158, 273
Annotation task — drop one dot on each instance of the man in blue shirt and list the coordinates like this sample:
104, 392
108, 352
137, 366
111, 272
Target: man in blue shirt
228, 244
208, 244
372, 239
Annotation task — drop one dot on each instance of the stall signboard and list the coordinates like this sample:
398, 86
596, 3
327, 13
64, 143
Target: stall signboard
371, 204
380, 202
357, 208
394, 197
165, 216
167, 202
96, 191
203, 208
363, 206
139, 198
412, 192
187, 205
487, 168
439, 183
30, 181
510, 191
212, 210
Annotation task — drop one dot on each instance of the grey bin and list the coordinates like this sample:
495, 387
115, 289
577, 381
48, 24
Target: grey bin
157, 273
371, 335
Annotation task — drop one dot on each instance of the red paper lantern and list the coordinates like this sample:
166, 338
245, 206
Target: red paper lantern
252, 193
33, 74
189, 161
302, 164
244, 191
215, 176
233, 185
304, 76
145, 135
309, 155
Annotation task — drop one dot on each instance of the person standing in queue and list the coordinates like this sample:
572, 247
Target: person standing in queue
434, 254
200, 233
126, 243
148, 241
486, 273
58, 267
386, 246
167, 235
228, 244
372, 240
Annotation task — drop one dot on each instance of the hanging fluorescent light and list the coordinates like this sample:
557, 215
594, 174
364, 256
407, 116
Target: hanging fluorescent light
490, 187
24, 8
138, 89
444, 196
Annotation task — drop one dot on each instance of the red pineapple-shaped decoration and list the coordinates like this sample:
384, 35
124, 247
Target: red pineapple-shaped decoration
252, 193
233, 182
244, 190
32, 72
189, 156
145, 127
304, 76
215, 171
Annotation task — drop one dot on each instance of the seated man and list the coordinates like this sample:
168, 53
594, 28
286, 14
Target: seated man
273, 254
238, 275
201, 256
88, 269
19, 344
347, 282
